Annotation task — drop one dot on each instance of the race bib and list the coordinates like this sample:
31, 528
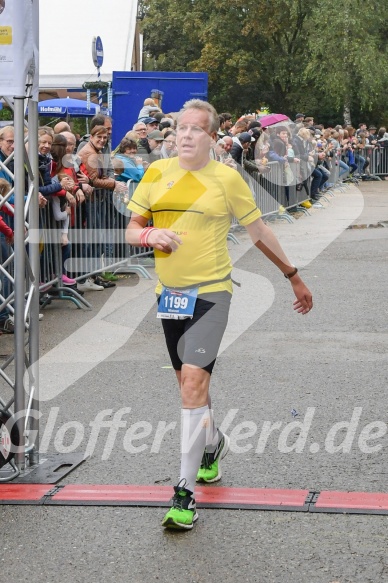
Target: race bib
177, 304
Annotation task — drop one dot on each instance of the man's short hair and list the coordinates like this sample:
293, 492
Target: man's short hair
98, 120
61, 126
254, 124
241, 123
71, 135
214, 123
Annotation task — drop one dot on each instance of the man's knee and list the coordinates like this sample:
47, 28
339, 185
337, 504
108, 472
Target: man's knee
194, 386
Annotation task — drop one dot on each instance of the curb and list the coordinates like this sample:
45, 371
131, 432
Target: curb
378, 225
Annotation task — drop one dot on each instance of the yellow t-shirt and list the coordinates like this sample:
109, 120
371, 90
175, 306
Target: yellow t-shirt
198, 206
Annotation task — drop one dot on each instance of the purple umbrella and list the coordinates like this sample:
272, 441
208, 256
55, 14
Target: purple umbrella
272, 118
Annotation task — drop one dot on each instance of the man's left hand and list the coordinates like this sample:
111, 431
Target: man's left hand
304, 299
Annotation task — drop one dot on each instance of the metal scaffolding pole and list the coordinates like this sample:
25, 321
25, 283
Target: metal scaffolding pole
33, 219
20, 268
19, 249
18, 82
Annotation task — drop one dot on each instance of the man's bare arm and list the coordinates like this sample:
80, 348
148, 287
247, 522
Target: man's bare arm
265, 240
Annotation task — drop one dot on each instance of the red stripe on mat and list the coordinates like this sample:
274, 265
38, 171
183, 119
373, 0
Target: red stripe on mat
22, 492
209, 495
356, 500
246, 496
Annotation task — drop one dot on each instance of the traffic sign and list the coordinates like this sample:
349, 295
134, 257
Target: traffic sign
97, 52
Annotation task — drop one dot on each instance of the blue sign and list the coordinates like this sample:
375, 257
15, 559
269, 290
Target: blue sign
97, 52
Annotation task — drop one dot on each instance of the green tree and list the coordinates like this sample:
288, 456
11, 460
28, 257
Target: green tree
349, 60
6, 114
295, 55
170, 39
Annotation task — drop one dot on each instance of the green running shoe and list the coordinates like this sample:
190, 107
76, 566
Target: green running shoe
109, 276
183, 512
210, 470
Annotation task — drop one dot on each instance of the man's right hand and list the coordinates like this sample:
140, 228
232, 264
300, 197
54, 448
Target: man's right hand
164, 240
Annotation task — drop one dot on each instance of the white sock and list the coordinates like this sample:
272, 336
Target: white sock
213, 436
195, 424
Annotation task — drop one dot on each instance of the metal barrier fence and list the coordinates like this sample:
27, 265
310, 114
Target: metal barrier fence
96, 232
97, 228
377, 156
270, 192
276, 191
97, 235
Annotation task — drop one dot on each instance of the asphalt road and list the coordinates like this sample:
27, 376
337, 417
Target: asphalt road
330, 367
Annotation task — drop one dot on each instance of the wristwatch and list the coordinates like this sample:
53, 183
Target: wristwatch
293, 272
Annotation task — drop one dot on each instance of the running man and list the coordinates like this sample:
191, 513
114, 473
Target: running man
191, 200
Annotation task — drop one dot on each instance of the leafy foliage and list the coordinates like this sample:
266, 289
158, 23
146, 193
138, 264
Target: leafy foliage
294, 55
6, 114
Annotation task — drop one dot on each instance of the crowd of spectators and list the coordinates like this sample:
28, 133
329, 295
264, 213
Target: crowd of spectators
83, 179
305, 151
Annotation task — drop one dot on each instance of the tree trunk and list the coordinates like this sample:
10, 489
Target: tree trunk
346, 114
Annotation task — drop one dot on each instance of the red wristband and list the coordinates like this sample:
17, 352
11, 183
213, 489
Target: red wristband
144, 236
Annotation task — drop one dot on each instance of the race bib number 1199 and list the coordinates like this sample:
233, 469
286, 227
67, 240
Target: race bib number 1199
177, 304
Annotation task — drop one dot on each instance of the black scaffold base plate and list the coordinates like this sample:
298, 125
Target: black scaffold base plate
51, 469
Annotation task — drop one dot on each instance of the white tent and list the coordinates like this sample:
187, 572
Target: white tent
66, 33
